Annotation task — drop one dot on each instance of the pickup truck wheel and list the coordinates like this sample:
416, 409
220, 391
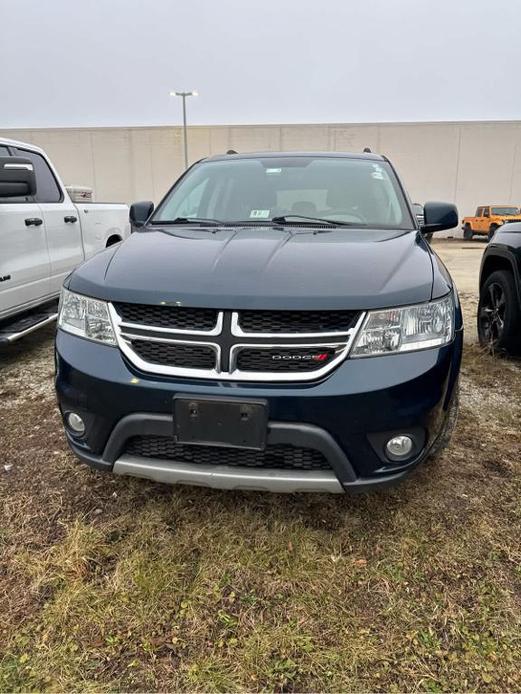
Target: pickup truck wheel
467, 232
492, 231
499, 314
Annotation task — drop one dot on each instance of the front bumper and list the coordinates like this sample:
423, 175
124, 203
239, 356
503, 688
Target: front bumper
346, 416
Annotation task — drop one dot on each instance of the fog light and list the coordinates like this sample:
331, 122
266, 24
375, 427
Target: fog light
76, 423
399, 447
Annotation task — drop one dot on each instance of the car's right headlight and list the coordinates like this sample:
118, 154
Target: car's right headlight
406, 329
86, 317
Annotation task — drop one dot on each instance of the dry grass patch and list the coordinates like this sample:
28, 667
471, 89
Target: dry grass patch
120, 584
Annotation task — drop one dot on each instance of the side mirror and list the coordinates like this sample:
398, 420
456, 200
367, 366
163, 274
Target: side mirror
17, 177
140, 212
439, 216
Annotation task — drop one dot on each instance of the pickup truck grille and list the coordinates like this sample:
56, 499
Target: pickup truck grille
234, 345
277, 456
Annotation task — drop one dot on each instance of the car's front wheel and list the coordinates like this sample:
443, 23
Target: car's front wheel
499, 314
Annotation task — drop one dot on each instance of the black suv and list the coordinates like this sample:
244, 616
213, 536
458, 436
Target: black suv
279, 322
499, 311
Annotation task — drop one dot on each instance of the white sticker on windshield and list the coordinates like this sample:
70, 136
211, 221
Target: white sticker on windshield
378, 172
259, 214
270, 172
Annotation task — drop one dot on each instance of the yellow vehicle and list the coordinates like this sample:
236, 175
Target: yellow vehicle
488, 218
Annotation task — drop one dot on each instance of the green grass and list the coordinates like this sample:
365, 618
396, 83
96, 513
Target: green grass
120, 584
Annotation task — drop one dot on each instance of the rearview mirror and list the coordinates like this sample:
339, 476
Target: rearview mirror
140, 212
17, 177
439, 216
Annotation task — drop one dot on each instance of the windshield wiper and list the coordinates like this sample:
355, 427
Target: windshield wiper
286, 219
203, 221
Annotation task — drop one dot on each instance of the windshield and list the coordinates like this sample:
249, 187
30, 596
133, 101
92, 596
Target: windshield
505, 210
361, 192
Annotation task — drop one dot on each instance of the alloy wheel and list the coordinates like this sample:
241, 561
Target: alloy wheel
492, 314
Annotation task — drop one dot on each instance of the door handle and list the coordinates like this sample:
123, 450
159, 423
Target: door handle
33, 222
70, 219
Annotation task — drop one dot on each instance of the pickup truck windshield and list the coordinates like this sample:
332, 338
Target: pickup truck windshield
505, 210
361, 192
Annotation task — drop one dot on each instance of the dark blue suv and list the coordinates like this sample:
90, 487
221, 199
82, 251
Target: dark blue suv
277, 323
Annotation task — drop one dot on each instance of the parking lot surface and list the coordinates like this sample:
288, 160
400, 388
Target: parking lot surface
122, 584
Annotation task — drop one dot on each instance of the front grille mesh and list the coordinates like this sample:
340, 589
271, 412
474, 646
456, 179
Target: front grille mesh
279, 456
296, 321
174, 317
283, 360
186, 355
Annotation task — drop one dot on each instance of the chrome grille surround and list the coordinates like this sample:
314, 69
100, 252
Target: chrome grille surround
227, 332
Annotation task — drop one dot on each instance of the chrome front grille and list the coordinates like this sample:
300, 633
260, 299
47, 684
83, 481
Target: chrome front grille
229, 345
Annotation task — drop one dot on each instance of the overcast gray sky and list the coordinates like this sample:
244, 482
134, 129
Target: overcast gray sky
113, 62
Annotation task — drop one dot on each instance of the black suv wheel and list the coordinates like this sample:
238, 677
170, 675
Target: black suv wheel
499, 316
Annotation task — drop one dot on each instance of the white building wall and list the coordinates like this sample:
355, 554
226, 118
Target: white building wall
468, 163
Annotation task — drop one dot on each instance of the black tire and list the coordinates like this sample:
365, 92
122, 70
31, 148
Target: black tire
449, 425
492, 231
467, 232
499, 314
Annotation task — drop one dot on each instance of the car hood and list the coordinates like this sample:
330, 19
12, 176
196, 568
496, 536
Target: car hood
266, 268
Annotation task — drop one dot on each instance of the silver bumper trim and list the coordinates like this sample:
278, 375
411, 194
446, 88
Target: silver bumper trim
226, 477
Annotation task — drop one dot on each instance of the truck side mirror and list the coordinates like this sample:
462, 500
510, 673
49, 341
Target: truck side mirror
439, 216
17, 177
140, 212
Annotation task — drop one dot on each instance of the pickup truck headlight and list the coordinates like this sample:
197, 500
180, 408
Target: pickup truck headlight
406, 329
86, 317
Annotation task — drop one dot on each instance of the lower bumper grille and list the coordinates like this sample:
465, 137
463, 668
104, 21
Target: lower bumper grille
277, 456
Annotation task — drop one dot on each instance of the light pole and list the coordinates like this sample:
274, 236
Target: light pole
184, 95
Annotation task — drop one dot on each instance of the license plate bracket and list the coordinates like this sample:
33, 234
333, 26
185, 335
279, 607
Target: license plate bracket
221, 421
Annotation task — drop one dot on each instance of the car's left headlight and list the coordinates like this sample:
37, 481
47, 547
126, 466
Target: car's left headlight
86, 317
406, 329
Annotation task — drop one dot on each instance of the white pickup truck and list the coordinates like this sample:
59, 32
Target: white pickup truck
43, 236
